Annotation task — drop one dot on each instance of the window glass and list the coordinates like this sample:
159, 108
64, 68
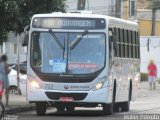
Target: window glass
119, 50
13, 48
51, 54
81, 4
132, 8
130, 43
118, 34
121, 42
125, 43
128, 54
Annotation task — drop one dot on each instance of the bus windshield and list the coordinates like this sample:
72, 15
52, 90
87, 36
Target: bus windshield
68, 53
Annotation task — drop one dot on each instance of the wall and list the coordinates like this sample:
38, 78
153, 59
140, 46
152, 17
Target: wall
153, 53
96, 6
10, 48
145, 27
144, 17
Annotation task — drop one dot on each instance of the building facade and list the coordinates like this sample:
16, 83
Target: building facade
144, 16
145, 22
10, 48
125, 9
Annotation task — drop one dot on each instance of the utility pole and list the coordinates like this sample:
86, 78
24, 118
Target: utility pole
112, 8
154, 9
18, 67
118, 8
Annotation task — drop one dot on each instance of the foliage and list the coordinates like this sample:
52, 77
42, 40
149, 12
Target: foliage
8, 12
27, 8
144, 76
16, 14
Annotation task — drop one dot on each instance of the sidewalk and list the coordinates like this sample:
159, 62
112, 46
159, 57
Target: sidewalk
144, 90
17, 103
148, 101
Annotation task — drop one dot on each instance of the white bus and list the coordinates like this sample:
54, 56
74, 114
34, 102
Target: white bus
82, 60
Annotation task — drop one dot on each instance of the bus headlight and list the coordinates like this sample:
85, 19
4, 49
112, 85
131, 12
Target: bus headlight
99, 85
35, 84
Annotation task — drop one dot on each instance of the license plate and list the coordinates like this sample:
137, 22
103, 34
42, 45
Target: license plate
66, 99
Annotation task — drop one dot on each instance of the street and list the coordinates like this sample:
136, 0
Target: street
147, 103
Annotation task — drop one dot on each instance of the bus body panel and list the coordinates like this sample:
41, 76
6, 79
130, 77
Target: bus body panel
122, 71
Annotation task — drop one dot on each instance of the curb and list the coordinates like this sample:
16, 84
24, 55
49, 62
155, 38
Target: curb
19, 109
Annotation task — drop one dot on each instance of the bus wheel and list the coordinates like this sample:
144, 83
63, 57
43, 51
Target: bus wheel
41, 108
60, 108
125, 106
70, 108
116, 107
108, 109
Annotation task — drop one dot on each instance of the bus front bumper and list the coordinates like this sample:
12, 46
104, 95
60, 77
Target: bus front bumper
102, 95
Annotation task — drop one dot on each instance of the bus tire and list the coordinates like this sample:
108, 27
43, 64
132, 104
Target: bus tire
125, 106
70, 108
116, 107
108, 109
41, 108
60, 108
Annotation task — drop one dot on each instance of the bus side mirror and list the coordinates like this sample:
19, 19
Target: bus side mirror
26, 39
26, 36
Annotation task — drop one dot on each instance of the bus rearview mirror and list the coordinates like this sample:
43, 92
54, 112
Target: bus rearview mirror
26, 39
26, 35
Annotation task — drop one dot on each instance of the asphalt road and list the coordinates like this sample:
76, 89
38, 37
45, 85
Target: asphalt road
147, 103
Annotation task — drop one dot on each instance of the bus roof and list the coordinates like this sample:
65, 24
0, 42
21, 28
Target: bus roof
112, 20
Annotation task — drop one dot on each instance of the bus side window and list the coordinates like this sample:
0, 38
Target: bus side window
116, 35
135, 46
133, 51
110, 45
130, 43
138, 45
118, 42
121, 43
117, 39
125, 43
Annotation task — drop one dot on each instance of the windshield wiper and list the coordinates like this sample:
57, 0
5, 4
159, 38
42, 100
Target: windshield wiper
79, 39
56, 39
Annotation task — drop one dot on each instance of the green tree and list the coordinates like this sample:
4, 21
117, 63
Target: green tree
27, 8
8, 12
16, 14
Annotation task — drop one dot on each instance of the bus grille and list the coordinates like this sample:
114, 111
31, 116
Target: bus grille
57, 95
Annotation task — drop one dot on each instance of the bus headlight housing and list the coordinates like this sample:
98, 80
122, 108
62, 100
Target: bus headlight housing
99, 85
35, 84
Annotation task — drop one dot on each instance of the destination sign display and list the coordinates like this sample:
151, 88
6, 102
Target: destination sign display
69, 23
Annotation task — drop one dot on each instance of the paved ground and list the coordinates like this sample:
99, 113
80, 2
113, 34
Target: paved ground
147, 103
16, 100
